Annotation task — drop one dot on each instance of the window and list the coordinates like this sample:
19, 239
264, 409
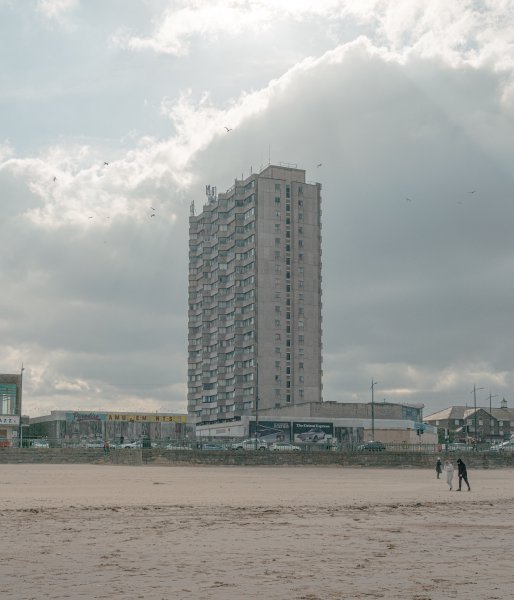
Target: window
277, 308
277, 337
277, 351
277, 364
277, 227
277, 295
300, 257
300, 243
300, 324
288, 398
288, 208
301, 378
300, 230
277, 322
300, 365
301, 338
288, 343
278, 215
288, 370
277, 200
288, 356
277, 241
288, 191
277, 187
300, 216
300, 392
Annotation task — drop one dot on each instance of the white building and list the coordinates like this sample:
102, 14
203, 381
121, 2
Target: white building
255, 297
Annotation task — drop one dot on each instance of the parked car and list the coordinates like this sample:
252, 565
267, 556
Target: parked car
507, 446
372, 447
211, 446
40, 444
313, 435
177, 447
95, 444
459, 447
250, 445
136, 444
284, 447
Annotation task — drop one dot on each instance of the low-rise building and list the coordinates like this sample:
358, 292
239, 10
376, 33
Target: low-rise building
457, 423
78, 427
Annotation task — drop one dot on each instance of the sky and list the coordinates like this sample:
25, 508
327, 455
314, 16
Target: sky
407, 104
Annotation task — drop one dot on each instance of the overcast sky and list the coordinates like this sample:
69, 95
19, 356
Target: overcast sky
408, 105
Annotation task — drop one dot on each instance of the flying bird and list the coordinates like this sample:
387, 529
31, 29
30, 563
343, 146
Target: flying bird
320, 165
106, 164
152, 215
55, 178
472, 192
152, 207
228, 128
408, 199
90, 217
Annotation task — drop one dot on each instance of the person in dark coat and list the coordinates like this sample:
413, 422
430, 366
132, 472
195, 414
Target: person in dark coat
438, 467
463, 474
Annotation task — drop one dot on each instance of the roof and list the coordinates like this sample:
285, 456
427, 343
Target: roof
464, 412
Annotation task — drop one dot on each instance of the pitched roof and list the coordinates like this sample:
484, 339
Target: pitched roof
464, 412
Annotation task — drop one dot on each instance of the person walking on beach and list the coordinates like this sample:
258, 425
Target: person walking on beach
448, 467
438, 467
463, 474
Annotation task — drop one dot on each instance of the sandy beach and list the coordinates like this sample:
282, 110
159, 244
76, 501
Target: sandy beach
214, 533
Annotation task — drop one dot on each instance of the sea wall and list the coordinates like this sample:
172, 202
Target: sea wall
386, 459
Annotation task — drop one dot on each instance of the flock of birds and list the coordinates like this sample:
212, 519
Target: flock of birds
228, 130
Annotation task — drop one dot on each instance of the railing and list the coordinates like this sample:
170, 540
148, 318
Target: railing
216, 443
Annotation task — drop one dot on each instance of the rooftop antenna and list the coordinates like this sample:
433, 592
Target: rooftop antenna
192, 208
211, 193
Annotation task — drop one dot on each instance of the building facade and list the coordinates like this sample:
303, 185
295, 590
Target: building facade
464, 424
10, 408
254, 317
75, 428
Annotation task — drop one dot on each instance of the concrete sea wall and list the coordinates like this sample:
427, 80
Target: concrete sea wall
246, 458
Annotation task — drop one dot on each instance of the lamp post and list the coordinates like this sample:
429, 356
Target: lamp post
373, 384
256, 401
491, 417
475, 415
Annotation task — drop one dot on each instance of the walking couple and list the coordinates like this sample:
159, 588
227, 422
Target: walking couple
448, 468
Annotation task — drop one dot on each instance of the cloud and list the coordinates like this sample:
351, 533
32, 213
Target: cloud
56, 9
416, 294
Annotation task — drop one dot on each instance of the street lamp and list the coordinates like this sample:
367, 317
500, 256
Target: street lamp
373, 384
475, 389
256, 401
491, 417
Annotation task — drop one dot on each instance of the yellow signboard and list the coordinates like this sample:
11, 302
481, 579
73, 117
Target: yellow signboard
127, 418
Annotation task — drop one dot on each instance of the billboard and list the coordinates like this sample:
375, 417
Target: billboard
312, 433
272, 431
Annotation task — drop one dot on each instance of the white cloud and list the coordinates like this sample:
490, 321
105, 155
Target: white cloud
56, 9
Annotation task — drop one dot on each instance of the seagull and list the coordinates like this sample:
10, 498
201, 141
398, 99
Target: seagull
408, 199
228, 128
90, 217
472, 192
152, 215
320, 164
106, 164
152, 207
55, 178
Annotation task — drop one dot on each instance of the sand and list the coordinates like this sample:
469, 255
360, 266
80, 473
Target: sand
308, 533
